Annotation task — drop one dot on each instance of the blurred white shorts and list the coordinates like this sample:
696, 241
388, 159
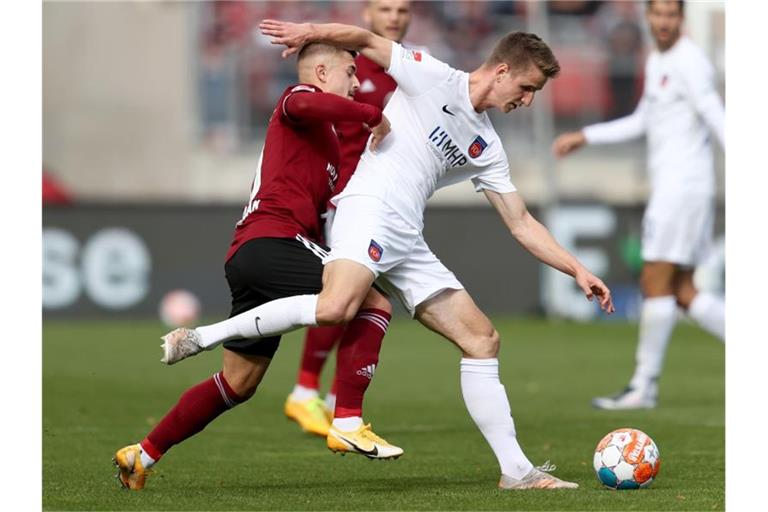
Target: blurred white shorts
678, 230
369, 232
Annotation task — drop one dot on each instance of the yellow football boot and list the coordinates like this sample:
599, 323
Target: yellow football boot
132, 474
311, 415
362, 441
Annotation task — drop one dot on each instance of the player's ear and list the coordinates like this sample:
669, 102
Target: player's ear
321, 72
499, 71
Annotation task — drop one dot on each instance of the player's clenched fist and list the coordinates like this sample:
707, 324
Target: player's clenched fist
567, 143
379, 132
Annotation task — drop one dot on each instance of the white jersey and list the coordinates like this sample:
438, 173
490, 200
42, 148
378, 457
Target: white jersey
437, 139
678, 110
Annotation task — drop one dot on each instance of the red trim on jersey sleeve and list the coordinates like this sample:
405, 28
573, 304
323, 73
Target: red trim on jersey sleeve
326, 107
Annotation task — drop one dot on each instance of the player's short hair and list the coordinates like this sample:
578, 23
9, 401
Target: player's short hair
312, 49
680, 3
521, 49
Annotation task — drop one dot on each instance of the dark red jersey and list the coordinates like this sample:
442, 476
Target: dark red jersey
298, 168
376, 86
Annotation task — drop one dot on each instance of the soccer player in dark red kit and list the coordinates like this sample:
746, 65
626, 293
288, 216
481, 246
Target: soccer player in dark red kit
275, 253
390, 19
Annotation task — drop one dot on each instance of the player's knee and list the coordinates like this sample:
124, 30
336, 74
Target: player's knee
483, 346
684, 296
334, 312
244, 384
377, 300
685, 290
652, 286
646, 284
245, 391
243, 372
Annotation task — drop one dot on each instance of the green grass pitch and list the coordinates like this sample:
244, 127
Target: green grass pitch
104, 387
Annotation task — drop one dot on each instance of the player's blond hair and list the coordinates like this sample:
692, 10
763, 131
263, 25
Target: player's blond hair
520, 49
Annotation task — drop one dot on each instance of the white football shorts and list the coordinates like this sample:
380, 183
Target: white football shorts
678, 230
366, 230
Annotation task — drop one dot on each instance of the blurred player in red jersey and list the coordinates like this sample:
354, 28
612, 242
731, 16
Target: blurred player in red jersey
390, 19
275, 252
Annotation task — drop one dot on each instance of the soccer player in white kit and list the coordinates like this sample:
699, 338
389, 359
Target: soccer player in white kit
677, 112
441, 134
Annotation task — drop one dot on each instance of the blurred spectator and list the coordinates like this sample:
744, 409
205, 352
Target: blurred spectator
574, 7
53, 191
466, 26
242, 75
225, 28
624, 40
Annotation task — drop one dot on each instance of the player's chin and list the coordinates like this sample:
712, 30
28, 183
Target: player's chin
393, 33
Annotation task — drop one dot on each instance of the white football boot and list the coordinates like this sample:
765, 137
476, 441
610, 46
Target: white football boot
180, 344
629, 398
537, 478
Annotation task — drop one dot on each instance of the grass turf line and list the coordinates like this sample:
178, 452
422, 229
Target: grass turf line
104, 387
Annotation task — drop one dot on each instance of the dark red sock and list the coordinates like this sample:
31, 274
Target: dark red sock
317, 345
356, 360
196, 408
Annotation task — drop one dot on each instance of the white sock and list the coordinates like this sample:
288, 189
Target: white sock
486, 401
330, 401
146, 460
272, 318
301, 393
658, 316
708, 310
348, 424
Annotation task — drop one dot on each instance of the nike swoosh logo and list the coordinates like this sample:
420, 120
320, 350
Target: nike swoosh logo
372, 453
445, 109
256, 321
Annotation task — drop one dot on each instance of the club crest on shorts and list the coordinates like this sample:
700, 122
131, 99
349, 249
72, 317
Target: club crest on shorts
477, 147
375, 251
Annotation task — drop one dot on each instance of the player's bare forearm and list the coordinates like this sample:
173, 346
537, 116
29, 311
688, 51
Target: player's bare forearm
537, 240
376, 48
296, 35
530, 233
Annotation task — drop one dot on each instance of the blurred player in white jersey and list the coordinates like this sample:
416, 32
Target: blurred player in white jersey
441, 134
678, 112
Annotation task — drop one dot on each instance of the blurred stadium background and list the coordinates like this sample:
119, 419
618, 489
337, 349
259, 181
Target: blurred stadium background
154, 114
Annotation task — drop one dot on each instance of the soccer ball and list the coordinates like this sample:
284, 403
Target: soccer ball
179, 308
626, 458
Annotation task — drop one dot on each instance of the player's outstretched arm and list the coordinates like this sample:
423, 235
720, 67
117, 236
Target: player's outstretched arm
568, 143
539, 241
323, 106
296, 35
619, 130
